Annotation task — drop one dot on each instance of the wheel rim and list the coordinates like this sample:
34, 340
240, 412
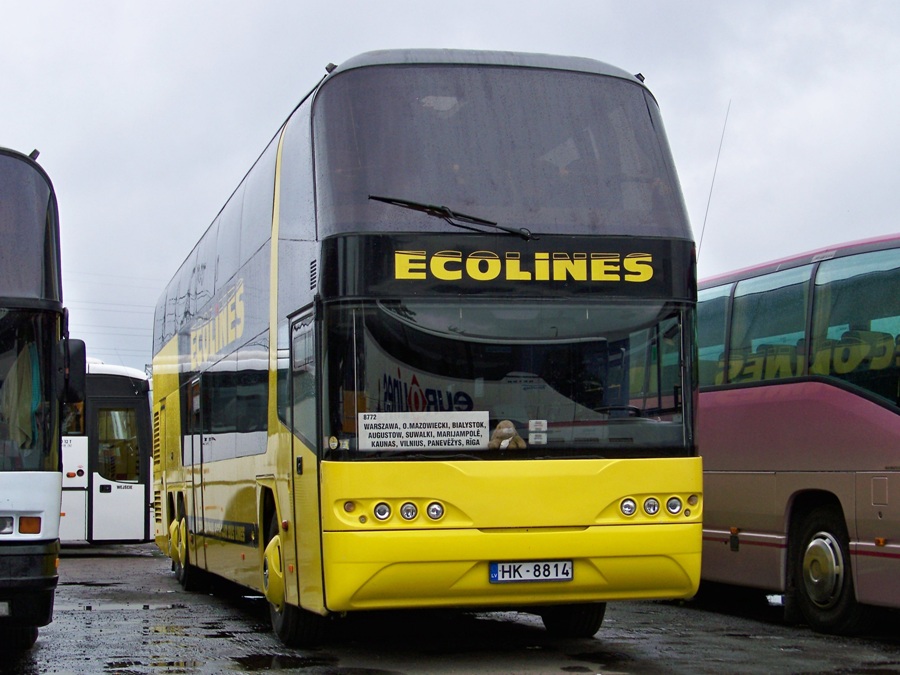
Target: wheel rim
273, 574
823, 570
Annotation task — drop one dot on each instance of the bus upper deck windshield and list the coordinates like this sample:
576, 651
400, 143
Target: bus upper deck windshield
595, 162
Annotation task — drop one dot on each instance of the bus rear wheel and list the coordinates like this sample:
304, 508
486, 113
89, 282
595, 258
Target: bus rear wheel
822, 575
187, 574
294, 626
573, 621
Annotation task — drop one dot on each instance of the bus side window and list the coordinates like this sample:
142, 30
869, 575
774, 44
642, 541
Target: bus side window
857, 313
769, 319
712, 312
303, 380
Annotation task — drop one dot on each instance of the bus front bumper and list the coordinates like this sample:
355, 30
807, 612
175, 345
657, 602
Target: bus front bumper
451, 568
28, 579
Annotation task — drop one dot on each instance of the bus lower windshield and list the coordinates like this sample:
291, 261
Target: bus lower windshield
27, 419
510, 379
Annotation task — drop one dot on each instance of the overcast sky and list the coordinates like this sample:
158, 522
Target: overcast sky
147, 115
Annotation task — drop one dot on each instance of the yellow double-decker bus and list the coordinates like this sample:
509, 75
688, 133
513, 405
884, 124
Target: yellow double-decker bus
437, 350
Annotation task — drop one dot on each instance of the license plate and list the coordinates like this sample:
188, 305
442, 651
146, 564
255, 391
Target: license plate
533, 570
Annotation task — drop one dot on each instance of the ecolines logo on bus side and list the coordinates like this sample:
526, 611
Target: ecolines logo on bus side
487, 266
224, 327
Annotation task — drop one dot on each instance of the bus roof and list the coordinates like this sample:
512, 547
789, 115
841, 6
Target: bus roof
483, 58
96, 367
798, 260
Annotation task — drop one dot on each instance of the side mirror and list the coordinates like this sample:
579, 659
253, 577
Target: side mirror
75, 360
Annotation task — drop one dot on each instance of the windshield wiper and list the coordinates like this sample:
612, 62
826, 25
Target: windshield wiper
455, 218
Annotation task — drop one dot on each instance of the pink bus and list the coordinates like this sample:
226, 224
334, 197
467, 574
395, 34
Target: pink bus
799, 429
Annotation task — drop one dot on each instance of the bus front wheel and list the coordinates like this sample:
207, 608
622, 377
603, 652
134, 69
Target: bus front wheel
294, 626
19, 638
573, 621
822, 576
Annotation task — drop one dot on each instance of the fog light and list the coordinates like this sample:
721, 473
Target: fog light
628, 507
409, 511
693, 499
435, 510
673, 506
651, 506
382, 511
6, 524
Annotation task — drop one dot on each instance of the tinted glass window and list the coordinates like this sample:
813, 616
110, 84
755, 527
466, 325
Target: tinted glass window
572, 380
229, 241
856, 327
118, 446
712, 315
28, 257
587, 154
768, 326
256, 221
28, 420
303, 380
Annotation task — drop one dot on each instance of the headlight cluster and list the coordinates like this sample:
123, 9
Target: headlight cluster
408, 511
651, 505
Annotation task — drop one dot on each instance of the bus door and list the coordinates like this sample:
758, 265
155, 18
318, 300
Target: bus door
194, 463
119, 458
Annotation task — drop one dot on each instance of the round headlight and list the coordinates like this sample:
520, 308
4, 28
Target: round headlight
628, 507
382, 511
673, 506
435, 510
651, 506
409, 511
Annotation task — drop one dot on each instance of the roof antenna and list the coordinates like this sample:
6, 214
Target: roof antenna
34, 155
330, 68
718, 154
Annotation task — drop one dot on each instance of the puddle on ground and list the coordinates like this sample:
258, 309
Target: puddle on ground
115, 607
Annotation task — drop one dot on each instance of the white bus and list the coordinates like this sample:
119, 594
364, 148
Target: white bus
106, 452
39, 368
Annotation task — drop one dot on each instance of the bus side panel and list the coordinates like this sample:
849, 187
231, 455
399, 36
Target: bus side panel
543, 516
232, 536
795, 426
877, 554
168, 473
755, 556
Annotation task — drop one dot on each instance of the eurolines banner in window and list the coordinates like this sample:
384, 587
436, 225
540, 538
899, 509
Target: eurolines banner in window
423, 430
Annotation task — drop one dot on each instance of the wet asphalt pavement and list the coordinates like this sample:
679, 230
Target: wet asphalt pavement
120, 610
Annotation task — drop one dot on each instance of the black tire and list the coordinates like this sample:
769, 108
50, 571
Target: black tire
574, 621
18, 638
294, 626
823, 579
